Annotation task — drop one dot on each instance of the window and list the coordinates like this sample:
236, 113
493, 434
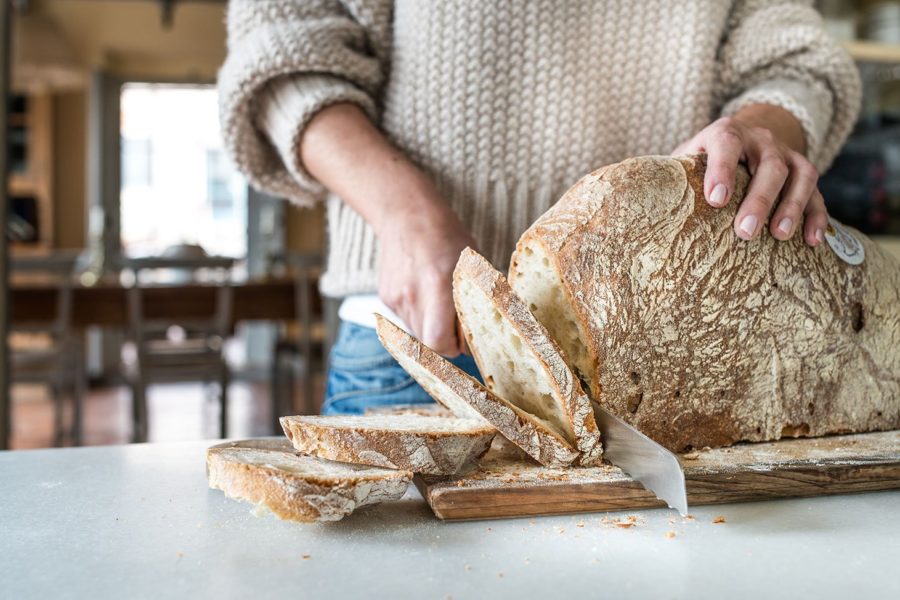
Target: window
177, 185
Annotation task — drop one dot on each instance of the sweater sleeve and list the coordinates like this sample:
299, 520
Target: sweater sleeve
777, 52
286, 60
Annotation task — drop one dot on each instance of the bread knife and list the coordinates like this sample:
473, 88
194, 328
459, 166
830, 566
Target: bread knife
645, 461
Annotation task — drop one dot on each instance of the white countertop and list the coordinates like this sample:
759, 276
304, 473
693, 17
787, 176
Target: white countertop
139, 522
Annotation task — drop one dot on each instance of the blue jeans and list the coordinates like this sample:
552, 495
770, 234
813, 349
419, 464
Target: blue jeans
362, 374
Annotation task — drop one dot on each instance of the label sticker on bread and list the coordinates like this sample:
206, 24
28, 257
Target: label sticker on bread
848, 248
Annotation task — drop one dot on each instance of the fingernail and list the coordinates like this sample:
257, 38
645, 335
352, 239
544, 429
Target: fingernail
785, 226
748, 225
717, 197
820, 235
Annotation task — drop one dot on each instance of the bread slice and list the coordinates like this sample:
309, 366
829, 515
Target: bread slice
296, 487
412, 356
466, 397
517, 357
432, 445
426, 410
699, 338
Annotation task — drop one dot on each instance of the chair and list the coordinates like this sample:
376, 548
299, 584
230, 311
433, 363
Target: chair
50, 353
305, 269
175, 348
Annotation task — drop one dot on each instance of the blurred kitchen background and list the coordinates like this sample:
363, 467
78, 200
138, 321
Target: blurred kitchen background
145, 276
149, 287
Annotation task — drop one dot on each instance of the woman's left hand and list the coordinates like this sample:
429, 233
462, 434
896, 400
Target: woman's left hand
771, 142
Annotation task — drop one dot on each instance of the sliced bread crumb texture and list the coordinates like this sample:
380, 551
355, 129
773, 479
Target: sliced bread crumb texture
454, 388
296, 487
518, 359
432, 445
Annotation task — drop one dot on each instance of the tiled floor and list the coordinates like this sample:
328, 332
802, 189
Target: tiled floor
177, 412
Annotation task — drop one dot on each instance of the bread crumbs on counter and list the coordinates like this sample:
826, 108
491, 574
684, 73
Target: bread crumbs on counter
468, 567
579, 524
670, 535
499, 575
688, 517
628, 522
489, 529
306, 556
719, 519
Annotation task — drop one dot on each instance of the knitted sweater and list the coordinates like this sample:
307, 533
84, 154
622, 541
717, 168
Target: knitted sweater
506, 104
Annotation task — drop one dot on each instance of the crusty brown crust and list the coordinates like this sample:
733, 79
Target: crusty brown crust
294, 495
538, 441
435, 452
701, 339
577, 406
402, 346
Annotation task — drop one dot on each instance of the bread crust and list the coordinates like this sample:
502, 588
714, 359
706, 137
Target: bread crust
241, 472
701, 339
576, 404
516, 425
429, 448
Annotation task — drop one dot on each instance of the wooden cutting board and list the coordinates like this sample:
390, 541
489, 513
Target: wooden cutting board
507, 483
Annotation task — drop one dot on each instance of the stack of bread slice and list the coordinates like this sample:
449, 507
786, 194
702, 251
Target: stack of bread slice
331, 465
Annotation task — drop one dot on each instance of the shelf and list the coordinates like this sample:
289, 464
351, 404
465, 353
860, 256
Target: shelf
875, 52
23, 185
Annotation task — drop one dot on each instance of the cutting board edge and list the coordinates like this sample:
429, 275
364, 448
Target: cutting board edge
629, 495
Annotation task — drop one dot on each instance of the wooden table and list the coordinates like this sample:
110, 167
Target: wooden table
105, 304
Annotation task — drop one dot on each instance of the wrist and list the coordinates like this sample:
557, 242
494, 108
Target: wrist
782, 124
406, 200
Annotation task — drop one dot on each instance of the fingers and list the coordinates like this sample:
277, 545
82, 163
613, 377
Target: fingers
771, 172
403, 300
816, 220
724, 148
439, 331
795, 197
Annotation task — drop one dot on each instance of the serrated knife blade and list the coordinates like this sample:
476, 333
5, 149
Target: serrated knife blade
645, 461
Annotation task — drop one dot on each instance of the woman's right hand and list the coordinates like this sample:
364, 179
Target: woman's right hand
418, 250
419, 235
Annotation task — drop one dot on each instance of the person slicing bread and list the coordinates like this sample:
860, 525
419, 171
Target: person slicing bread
430, 127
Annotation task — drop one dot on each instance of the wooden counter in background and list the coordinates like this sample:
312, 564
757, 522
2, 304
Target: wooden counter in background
106, 304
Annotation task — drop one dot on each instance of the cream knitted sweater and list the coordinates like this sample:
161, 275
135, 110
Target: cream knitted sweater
507, 103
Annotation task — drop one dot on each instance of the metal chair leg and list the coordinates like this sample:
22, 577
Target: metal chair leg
78, 393
58, 408
139, 411
275, 387
282, 382
223, 403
